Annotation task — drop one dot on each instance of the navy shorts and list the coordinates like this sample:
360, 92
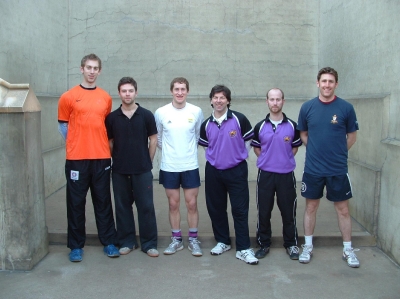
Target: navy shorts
173, 180
338, 188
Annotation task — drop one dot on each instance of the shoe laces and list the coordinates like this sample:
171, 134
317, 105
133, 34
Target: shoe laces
174, 241
248, 252
294, 249
306, 249
222, 245
195, 243
349, 252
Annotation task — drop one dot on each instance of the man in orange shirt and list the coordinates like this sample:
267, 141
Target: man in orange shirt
81, 114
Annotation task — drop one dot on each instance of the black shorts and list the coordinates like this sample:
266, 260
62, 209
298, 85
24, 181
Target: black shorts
338, 188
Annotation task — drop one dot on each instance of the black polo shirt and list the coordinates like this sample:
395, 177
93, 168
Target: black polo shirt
131, 151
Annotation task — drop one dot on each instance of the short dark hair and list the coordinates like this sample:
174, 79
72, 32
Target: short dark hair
91, 57
328, 70
221, 88
283, 95
180, 80
127, 80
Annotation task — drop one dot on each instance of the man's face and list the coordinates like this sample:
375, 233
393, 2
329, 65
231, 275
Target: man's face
127, 93
90, 71
275, 101
179, 93
327, 85
220, 103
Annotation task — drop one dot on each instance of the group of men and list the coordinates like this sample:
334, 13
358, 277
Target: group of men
130, 135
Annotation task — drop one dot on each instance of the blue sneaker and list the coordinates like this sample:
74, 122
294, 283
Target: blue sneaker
111, 251
76, 255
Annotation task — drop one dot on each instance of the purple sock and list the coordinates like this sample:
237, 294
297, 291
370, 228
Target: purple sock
177, 234
193, 233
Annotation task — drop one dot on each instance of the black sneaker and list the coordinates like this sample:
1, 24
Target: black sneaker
262, 252
293, 252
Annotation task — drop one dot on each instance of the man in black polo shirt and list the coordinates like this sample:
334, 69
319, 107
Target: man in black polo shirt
132, 135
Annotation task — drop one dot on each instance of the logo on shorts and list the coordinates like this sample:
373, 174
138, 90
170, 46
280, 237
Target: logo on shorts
334, 119
303, 187
232, 133
286, 139
74, 175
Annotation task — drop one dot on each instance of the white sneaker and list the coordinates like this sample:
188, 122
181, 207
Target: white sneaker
152, 252
351, 258
194, 247
220, 248
126, 250
305, 256
247, 256
175, 246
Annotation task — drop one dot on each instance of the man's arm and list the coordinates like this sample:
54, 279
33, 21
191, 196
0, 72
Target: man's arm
152, 146
159, 129
111, 145
304, 137
257, 151
351, 139
294, 150
63, 129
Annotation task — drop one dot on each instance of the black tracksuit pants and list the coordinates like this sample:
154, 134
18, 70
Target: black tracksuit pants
284, 186
81, 176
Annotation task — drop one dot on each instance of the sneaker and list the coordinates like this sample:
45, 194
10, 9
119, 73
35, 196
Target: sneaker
293, 252
247, 256
111, 251
125, 250
262, 252
305, 256
152, 252
76, 255
220, 248
175, 246
194, 247
351, 258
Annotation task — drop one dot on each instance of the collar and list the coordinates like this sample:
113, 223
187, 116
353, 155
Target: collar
87, 88
285, 119
136, 112
228, 115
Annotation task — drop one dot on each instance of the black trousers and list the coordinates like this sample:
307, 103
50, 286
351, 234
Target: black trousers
138, 189
218, 184
81, 176
284, 186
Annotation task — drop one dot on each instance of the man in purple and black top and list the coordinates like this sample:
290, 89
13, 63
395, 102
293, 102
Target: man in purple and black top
276, 141
227, 136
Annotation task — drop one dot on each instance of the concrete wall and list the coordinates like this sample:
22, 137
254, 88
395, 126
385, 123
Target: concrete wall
248, 45
34, 47
361, 40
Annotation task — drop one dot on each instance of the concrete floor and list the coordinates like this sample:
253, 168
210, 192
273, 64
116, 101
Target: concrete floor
184, 276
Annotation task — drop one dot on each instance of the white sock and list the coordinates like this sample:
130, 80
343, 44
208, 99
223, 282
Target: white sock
308, 240
346, 245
